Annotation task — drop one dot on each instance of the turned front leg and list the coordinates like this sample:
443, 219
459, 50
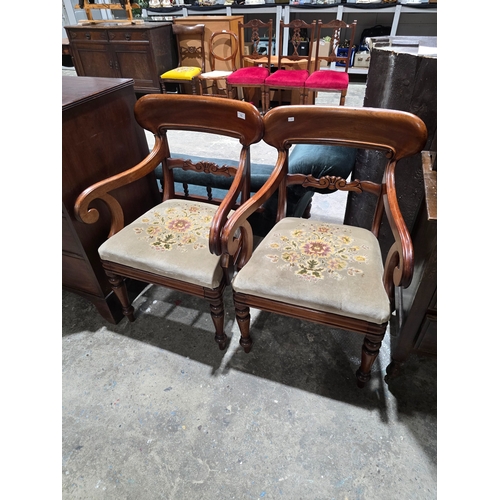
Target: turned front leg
216, 302
120, 290
243, 318
369, 353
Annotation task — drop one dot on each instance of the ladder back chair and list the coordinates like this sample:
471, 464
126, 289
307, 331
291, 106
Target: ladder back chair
328, 273
223, 49
293, 68
331, 79
255, 66
176, 244
191, 56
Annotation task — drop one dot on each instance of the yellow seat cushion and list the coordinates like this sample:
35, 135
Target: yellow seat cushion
181, 73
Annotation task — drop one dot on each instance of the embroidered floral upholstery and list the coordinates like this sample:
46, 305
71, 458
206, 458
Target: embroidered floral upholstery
170, 240
330, 267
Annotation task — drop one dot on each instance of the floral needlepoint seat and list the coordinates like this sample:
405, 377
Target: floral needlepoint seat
171, 240
333, 268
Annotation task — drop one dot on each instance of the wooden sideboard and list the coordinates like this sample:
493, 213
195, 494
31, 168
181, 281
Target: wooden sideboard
100, 138
142, 52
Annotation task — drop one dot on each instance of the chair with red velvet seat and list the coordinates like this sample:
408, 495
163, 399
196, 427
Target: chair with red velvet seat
255, 67
331, 80
293, 69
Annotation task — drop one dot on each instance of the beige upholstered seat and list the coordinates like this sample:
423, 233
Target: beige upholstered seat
329, 267
170, 240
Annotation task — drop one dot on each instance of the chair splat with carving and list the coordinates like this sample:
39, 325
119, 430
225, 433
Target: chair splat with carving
255, 67
177, 243
294, 68
191, 55
323, 272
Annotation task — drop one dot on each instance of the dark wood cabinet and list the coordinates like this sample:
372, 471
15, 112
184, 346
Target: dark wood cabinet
100, 138
142, 52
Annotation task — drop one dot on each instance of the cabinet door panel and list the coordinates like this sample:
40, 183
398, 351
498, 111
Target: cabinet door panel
95, 59
134, 61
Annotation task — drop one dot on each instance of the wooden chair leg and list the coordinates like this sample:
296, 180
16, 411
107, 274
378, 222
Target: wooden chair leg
369, 353
243, 318
118, 286
266, 100
216, 302
342, 97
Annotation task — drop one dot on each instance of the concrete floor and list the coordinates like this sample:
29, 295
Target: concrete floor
153, 410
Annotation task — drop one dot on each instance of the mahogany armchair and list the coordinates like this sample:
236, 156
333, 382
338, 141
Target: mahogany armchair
177, 243
323, 272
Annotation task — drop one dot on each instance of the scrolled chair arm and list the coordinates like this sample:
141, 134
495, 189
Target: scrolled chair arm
399, 263
237, 234
100, 190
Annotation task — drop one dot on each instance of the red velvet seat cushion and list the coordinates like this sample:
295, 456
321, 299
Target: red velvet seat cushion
250, 75
287, 78
328, 79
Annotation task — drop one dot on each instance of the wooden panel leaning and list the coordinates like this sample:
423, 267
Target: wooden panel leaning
176, 244
323, 272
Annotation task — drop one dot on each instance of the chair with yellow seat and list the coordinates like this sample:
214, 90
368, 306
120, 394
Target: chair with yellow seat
191, 56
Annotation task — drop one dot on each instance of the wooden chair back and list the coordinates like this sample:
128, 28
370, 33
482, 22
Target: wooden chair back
253, 34
301, 35
397, 134
190, 44
335, 30
223, 46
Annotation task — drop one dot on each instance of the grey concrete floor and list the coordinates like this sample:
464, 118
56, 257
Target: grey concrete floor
154, 410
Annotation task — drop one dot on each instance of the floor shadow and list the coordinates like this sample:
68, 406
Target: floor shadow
303, 355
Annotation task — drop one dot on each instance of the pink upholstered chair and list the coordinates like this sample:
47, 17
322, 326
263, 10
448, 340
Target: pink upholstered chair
331, 79
293, 69
255, 67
